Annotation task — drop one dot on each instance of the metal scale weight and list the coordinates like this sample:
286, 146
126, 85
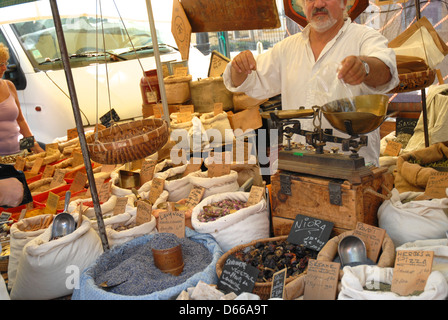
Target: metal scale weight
328, 184
355, 116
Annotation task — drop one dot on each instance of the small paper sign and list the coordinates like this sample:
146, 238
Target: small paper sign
120, 205
195, 196
77, 159
104, 191
51, 148
20, 163
186, 108
183, 117
436, 185
79, 182
72, 134
311, 232
52, 203
411, 271
255, 195
156, 189
218, 170
181, 71
217, 108
108, 167
393, 148
194, 165
172, 222
321, 280
157, 110
237, 276
278, 284
58, 178
22, 214
373, 239
37, 165
144, 212
147, 171
48, 171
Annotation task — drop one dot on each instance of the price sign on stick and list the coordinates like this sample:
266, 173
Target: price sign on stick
237, 276
144, 213
172, 222
373, 238
311, 232
195, 196
321, 280
156, 189
278, 284
411, 271
255, 195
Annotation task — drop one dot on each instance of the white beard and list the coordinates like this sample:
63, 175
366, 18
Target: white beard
322, 26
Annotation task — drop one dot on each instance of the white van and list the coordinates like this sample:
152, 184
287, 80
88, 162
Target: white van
104, 79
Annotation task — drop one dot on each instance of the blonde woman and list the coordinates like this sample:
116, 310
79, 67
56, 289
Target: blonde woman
12, 121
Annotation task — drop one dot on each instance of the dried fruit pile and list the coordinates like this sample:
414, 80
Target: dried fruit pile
270, 257
220, 209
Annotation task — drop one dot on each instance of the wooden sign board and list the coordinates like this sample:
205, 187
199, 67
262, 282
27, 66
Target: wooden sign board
218, 15
181, 29
321, 281
411, 271
237, 276
373, 239
278, 284
311, 232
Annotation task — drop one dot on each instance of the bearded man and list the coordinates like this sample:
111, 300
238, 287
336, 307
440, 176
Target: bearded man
331, 58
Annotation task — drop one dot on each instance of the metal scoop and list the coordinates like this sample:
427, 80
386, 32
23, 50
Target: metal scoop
63, 223
352, 251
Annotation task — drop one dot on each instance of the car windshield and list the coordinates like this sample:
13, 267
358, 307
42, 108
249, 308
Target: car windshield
88, 40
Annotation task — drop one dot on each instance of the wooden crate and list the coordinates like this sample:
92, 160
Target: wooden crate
310, 196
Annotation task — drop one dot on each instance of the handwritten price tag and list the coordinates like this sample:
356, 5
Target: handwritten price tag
321, 280
411, 271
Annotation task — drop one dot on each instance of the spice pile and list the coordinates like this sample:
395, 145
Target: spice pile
270, 257
220, 209
131, 271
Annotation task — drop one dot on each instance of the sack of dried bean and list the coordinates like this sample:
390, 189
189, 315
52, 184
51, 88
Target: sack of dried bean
214, 185
177, 185
49, 269
226, 217
21, 233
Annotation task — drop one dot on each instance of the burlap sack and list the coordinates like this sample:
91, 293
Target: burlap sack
413, 176
386, 258
177, 89
206, 92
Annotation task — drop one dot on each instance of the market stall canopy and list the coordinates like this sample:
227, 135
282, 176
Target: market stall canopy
28, 10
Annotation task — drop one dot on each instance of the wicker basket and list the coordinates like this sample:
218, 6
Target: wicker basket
128, 141
262, 289
415, 81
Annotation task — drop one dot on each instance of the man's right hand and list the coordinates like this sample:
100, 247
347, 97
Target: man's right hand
242, 65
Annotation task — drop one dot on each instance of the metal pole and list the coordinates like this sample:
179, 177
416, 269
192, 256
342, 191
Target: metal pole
155, 43
78, 120
423, 92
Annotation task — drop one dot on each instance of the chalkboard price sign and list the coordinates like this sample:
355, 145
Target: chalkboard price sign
278, 284
237, 276
311, 232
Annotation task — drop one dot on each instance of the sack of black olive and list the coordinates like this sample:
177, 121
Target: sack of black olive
237, 226
124, 231
214, 185
50, 269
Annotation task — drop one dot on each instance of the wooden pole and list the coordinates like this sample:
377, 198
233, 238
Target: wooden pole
79, 126
423, 92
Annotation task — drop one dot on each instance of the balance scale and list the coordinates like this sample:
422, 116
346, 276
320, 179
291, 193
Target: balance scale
355, 116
